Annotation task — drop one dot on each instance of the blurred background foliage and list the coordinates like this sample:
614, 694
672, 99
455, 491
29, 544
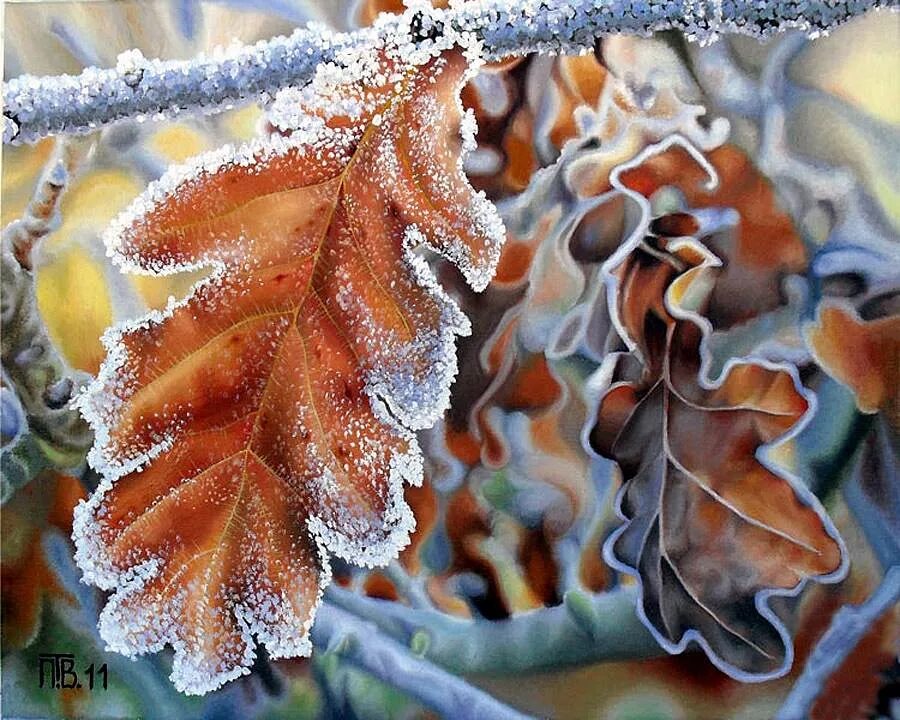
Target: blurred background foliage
516, 510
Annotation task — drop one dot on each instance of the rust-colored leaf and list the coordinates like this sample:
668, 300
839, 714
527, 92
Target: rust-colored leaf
764, 246
267, 420
862, 354
711, 529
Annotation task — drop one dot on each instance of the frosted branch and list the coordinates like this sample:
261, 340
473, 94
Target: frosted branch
35, 107
586, 628
848, 627
358, 642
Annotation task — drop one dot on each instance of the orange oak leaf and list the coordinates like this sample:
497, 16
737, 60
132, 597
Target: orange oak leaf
864, 354
267, 420
711, 529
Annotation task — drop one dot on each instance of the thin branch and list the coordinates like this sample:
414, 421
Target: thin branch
410, 588
872, 497
586, 628
40, 217
42, 380
358, 642
35, 107
848, 627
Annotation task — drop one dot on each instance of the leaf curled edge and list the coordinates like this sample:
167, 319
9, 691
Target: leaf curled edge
266, 421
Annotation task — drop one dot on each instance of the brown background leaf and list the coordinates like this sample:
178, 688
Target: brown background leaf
708, 525
862, 354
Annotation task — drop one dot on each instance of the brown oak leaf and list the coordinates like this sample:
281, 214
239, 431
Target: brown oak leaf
267, 420
711, 529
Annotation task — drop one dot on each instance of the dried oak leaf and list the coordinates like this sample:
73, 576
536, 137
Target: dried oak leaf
710, 529
267, 420
863, 353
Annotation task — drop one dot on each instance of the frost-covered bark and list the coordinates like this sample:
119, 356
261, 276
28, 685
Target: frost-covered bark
139, 88
359, 643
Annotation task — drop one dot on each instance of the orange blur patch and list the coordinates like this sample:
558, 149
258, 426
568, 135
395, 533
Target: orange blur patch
377, 585
515, 261
532, 386
27, 578
865, 356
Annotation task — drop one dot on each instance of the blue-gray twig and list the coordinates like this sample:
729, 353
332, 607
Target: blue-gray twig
585, 628
35, 107
358, 642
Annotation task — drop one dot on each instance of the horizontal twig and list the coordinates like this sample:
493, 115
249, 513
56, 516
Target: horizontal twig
35, 107
586, 628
